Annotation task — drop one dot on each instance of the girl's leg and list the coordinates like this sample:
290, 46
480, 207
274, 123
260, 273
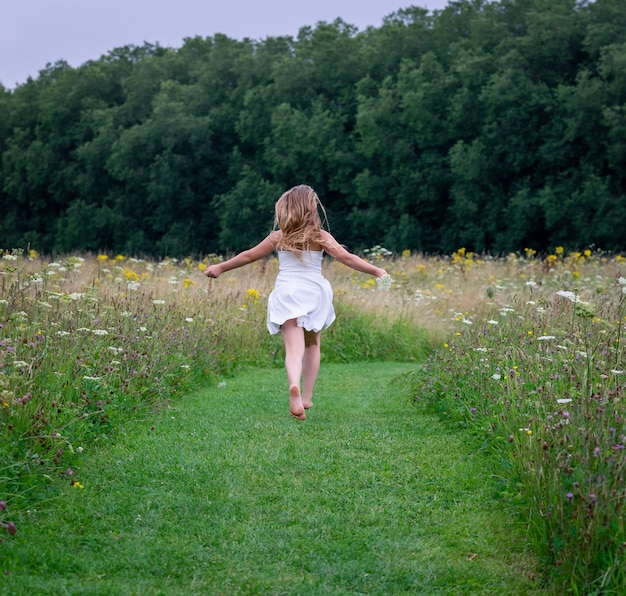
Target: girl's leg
293, 338
310, 366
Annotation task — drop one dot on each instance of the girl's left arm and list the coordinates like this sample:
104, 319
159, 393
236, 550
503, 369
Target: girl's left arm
262, 249
335, 250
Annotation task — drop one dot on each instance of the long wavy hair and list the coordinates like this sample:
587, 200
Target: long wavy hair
297, 217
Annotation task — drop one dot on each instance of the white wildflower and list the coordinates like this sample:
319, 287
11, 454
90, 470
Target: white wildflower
185, 366
531, 284
62, 333
88, 378
617, 372
496, 376
492, 322
158, 302
545, 337
189, 319
133, 285
115, 350
384, 282
564, 400
222, 384
10, 257
76, 296
20, 364
100, 332
622, 281
571, 296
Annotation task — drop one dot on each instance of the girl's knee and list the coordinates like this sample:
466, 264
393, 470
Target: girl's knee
311, 338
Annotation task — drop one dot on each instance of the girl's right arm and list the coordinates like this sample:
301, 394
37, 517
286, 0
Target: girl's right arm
262, 249
335, 250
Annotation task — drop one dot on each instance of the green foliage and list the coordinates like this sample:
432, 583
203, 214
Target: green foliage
488, 125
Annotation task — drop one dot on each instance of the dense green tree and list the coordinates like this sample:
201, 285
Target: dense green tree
487, 124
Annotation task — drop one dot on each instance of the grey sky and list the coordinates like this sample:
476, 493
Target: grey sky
36, 32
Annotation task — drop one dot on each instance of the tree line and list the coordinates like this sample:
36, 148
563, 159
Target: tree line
489, 125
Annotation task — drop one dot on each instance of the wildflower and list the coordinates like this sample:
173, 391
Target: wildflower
69, 472
622, 281
531, 284
565, 415
3, 506
11, 528
133, 285
77, 484
222, 384
100, 332
189, 319
545, 337
571, 296
20, 364
496, 376
596, 452
384, 282
526, 430
492, 322
563, 400
617, 372
570, 496
76, 296
158, 302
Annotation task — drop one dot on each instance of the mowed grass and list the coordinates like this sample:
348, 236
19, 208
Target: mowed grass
224, 493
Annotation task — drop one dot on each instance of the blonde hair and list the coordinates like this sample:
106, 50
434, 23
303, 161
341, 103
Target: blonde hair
298, 218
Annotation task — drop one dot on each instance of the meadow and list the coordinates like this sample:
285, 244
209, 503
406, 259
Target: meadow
523, 352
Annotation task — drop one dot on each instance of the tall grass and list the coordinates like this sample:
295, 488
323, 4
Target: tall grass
537, 372
88, 342
529, 357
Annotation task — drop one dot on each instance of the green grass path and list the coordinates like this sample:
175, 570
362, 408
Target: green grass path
229, 495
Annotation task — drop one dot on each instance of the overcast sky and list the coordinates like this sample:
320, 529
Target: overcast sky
36, 32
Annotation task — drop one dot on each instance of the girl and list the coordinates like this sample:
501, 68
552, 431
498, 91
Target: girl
301, 304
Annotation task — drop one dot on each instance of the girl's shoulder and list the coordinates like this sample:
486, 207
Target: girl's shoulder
275, 238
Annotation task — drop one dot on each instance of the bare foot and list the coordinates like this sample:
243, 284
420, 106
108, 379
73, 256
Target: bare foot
295, 403
307, 403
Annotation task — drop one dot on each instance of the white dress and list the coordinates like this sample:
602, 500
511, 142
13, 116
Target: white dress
301, 293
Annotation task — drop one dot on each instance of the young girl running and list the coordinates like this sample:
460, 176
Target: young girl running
301, 303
